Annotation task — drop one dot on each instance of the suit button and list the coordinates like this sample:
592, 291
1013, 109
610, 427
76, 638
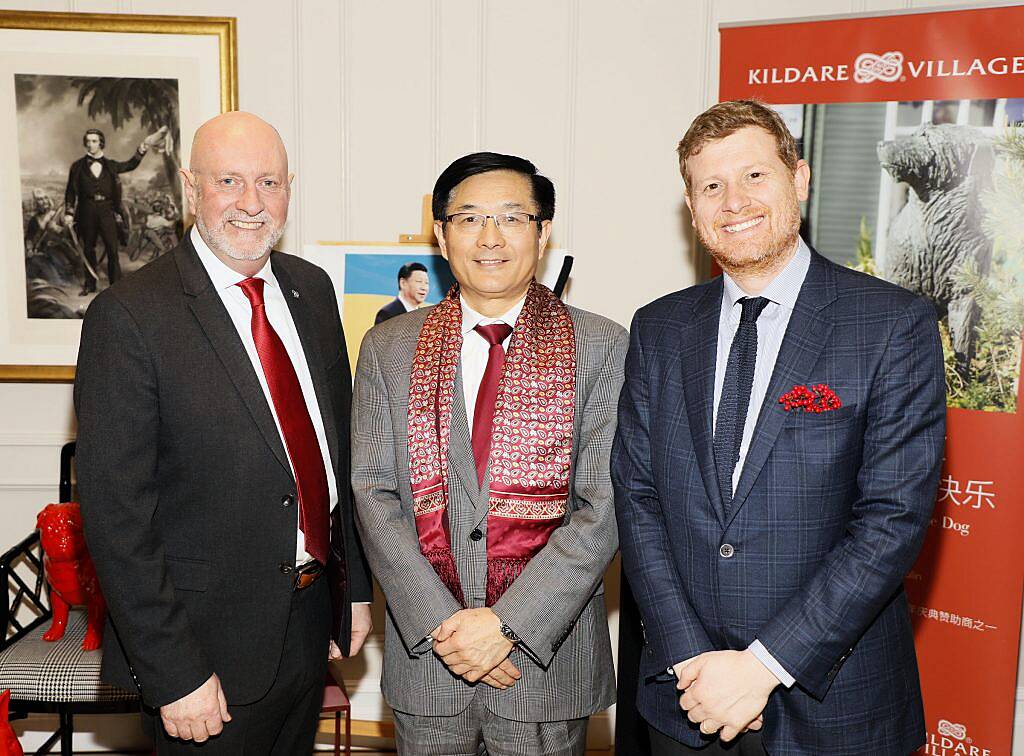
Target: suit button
726, 551
287, 500
286, 569
476, 535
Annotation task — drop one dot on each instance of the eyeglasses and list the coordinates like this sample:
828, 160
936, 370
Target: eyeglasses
507, 223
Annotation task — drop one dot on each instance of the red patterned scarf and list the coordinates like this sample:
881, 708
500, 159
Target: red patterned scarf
531, 440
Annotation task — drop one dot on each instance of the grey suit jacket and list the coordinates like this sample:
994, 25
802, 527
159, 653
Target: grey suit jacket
556, 606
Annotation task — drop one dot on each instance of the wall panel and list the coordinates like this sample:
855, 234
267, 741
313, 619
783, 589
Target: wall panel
388, 116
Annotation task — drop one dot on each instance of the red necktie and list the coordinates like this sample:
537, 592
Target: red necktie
296, 425
483, 413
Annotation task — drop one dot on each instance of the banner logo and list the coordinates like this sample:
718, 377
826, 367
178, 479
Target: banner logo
951, 730
870, 67
951, 740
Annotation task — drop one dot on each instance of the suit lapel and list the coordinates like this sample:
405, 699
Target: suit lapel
460, 450
298, 305
213, 318
698, 357
806, 335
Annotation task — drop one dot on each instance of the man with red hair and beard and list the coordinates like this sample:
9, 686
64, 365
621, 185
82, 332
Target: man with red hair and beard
213, 395
778, 450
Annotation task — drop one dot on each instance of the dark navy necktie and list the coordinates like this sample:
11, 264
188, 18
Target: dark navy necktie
735, 399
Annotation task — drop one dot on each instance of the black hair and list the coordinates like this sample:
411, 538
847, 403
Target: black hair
409, 268
97, 132
485, 162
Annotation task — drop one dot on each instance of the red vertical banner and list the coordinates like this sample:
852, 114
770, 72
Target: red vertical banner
913, 125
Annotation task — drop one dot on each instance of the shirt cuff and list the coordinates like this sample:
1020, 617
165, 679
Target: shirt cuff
757, 649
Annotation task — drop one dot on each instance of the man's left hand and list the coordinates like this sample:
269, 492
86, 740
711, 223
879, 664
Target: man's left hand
724, 690
472, 643
362, 624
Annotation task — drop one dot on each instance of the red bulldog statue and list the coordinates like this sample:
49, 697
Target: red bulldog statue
70, 572
9, 745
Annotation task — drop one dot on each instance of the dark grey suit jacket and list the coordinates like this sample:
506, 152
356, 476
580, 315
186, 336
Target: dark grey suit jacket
556, 605
186, 492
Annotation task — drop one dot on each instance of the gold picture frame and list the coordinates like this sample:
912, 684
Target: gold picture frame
187, 51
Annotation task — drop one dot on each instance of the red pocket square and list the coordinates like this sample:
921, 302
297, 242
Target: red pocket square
819, 398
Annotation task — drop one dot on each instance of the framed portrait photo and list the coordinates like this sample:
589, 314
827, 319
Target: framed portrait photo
98, 113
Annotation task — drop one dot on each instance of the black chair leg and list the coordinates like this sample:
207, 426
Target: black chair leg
67, 732
45, 747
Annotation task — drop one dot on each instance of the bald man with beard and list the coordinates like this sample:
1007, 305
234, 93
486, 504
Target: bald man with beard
213, 396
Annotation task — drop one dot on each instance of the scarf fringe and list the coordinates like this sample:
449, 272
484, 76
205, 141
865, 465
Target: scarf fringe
501, 573
443, 562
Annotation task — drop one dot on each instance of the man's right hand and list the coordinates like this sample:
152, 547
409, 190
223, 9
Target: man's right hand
199, 715
69, 220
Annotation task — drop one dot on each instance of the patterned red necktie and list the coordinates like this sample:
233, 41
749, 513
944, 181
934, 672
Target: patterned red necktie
483, 413
296, 425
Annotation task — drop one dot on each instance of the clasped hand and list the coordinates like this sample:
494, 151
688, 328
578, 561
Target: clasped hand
725, 691
471, 645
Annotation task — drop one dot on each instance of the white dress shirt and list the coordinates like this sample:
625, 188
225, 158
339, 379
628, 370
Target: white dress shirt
280, 317
475, 349
781, 294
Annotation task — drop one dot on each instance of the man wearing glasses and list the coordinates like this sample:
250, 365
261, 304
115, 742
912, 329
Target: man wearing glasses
482, 430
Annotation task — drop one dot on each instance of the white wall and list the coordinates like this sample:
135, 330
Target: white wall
374, 97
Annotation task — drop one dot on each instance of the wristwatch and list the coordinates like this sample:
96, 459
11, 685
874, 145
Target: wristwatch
509, 633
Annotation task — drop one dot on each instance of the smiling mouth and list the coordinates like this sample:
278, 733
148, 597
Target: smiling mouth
247, 225
490, 262
735, 228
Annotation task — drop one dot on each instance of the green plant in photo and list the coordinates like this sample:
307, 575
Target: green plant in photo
865, 252
995, 368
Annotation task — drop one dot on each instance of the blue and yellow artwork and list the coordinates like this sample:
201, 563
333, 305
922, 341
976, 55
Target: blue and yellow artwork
371, 282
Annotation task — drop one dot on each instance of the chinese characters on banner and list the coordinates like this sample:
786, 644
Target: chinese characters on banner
908, 123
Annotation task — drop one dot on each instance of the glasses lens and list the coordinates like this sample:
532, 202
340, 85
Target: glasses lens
514, 221
468, 221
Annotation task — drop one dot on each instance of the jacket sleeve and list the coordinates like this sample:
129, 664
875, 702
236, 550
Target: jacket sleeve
672, 630
116, 399
543, 603
417, 599
359, 579
902, 456
71, 191
123, 166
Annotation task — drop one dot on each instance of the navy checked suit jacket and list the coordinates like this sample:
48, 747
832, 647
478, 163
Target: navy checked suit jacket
828, 516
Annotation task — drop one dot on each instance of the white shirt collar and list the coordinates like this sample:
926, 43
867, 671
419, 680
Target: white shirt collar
471, 318
409, 306
784, 288
222, 276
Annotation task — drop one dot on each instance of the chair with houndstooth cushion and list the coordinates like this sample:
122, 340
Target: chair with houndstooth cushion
49, 677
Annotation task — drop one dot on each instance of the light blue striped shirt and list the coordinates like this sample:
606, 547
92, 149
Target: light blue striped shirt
771, 328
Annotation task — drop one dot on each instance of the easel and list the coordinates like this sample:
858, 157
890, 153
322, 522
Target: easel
426, 234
